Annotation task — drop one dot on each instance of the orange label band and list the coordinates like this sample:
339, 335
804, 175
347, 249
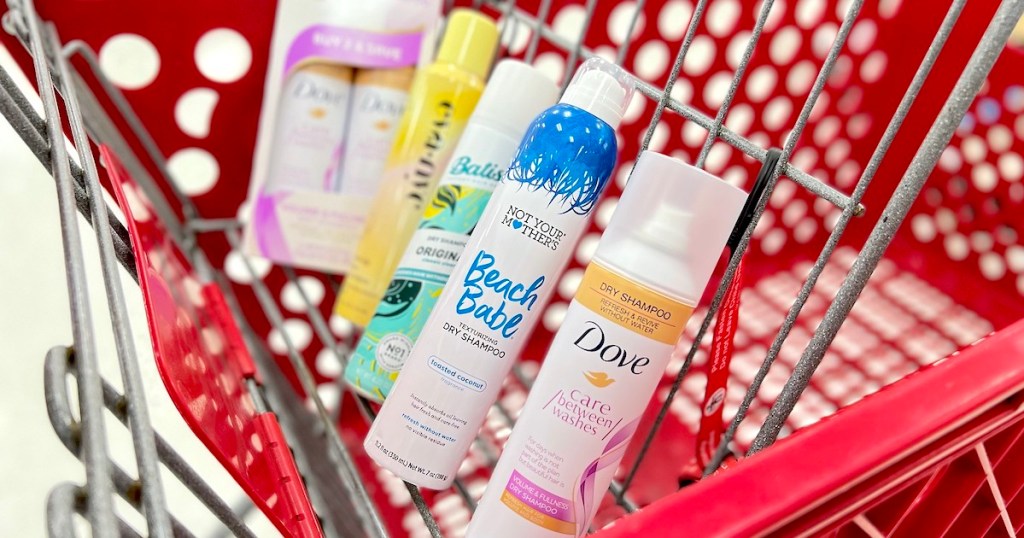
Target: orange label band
535, 517
632, 305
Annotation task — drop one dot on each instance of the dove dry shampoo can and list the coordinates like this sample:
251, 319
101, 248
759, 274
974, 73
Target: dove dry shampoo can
649, 271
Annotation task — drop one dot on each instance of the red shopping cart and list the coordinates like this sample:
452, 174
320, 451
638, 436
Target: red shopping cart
886, 113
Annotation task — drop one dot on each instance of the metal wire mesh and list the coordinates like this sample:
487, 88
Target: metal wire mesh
316, 434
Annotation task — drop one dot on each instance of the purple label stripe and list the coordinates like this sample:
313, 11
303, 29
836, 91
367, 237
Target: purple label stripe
584, 494
269, 233
357, 48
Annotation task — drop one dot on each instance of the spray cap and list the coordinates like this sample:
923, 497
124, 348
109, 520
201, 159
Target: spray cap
469, 42
675, 209
601, 88
516, 93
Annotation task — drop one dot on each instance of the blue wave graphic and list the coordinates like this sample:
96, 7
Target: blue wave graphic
569, 153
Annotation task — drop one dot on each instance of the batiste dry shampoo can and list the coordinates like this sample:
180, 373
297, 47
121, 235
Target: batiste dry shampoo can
502, 281
491, 138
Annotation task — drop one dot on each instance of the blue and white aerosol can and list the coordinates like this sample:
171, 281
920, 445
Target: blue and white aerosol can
503, 280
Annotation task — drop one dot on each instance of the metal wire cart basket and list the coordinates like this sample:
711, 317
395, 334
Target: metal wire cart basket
859, 385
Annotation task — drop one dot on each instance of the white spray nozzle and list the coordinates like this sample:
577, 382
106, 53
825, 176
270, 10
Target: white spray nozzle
601, 88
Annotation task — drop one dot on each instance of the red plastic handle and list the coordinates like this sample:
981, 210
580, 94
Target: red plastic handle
204, 364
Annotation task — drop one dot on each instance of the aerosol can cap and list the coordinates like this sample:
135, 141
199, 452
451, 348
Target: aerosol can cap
469, 41
515, 94
676, 210
601, 88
